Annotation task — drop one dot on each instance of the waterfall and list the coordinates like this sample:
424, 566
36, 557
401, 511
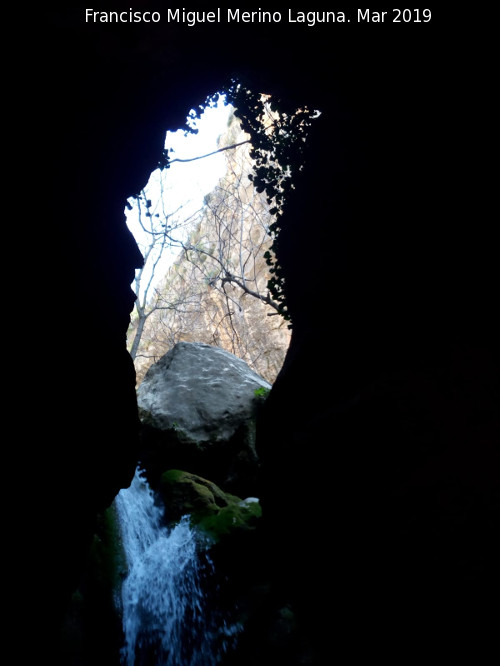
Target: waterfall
167, 620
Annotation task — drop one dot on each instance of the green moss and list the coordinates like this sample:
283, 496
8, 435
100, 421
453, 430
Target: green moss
92, 621
231, 518
204, 493
107, 557
262, 392
172, 476
213, 511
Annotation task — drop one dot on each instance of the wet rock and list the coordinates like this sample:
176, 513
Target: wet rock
215, 512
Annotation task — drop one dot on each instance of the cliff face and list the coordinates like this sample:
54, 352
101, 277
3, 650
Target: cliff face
216, 291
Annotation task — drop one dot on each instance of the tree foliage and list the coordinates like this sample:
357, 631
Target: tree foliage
216, 291
278, 132
278, 135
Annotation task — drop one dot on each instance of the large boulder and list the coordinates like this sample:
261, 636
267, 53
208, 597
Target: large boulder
197, 407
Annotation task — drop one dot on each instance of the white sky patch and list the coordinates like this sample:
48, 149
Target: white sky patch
183, 186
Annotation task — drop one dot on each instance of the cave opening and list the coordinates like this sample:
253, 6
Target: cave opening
219, 288
392, 240
207, 224
210, 277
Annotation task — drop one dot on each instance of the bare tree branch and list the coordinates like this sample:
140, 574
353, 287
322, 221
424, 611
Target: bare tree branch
221, 261
214, 152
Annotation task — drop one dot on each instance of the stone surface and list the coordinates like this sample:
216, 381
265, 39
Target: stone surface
215, 512
202, 392
198, 406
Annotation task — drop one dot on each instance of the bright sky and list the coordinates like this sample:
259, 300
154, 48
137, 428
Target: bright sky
185, 183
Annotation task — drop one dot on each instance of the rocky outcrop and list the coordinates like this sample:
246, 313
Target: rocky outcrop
213, 511
197, 407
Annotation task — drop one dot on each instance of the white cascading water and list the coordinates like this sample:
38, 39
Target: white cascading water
166, 621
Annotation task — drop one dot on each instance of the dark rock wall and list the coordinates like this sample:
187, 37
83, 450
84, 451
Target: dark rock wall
383, 424
385, 407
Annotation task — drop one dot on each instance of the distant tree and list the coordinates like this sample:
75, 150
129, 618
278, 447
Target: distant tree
237, 222
278, 132
158, 227
220, 266
231, 246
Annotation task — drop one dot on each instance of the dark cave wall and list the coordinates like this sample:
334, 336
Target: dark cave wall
393, 301
384, 419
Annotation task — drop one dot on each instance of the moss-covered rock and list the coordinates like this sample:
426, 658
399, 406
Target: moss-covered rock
91, 631
211, 509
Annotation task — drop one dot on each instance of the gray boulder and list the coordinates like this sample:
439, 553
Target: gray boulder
198, 405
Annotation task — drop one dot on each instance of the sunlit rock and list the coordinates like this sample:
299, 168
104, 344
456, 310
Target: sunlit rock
198, 406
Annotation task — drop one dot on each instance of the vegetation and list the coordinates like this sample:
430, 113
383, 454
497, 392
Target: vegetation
213, 511
278, 132
226, 280
215, 291
261, 393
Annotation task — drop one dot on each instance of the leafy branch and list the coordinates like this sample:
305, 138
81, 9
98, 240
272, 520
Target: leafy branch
278, 135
